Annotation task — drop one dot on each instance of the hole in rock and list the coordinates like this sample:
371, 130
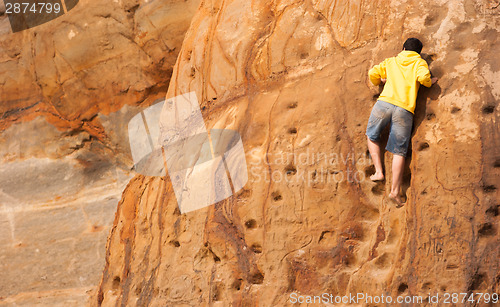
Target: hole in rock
369, 170
256, 278
292, 130
378, 189
476, 281
138, 290
116, 282
455, 110
486, 230
293, 105
323, 234
290, 169
216, 258
236, 285
423, 146
430, 19
175, 243
349, 260
250, 224
489, 188
488, 109
256, 248
458, 46
493, 210
427, 286
402, 288
430, 116
276, 196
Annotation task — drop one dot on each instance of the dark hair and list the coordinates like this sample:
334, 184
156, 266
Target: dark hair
413, 44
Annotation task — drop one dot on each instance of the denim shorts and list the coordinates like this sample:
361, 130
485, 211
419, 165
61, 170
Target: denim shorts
401, 121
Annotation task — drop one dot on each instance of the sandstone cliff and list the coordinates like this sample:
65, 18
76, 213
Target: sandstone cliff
291, 77
67, 90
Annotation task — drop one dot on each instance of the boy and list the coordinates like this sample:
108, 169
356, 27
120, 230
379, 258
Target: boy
402, 76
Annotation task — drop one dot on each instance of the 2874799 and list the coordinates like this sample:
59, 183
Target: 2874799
40, 8
27, 14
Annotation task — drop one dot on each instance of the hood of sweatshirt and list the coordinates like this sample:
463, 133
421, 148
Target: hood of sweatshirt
406, 57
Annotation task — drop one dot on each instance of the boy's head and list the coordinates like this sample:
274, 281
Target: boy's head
413, 44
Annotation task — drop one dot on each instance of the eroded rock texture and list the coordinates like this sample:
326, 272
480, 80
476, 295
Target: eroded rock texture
291, 77
67, 91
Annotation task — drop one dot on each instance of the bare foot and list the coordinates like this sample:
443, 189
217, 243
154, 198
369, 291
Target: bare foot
395, 198
377, 177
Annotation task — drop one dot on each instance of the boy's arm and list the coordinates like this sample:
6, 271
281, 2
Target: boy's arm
378, 72
423, 74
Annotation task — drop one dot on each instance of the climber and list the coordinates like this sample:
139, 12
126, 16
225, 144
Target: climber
401, 76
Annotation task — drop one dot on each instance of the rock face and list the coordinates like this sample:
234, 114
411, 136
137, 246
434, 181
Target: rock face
291, 77
67, 91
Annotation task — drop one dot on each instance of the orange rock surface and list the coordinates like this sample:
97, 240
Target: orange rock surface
291, 77
68, 88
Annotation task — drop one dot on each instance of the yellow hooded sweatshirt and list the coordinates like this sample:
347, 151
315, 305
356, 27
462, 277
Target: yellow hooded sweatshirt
404, 74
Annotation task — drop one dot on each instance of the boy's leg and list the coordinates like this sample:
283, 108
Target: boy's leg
399, 140
380, 117
398, 164
374, 149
